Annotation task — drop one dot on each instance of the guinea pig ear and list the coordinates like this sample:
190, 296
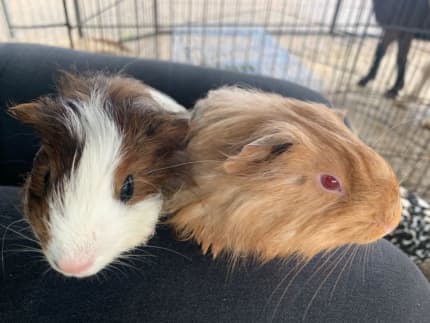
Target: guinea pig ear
179, 128
42, 116
27, 113
171, 130
260, 150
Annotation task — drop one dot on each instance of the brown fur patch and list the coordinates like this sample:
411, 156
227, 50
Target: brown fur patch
244, 203
152, 140
33, 195
155, 161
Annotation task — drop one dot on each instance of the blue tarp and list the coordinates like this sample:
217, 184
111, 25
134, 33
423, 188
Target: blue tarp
250, 50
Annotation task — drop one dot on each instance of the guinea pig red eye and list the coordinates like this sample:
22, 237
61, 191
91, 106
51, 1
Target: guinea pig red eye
330, 183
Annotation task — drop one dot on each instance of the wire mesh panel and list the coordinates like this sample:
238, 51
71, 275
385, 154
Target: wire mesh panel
327, 45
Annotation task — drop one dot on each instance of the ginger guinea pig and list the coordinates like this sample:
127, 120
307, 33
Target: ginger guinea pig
277, 177
98, 181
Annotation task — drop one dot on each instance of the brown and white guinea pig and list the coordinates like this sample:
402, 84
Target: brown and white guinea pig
277, 177
97, 183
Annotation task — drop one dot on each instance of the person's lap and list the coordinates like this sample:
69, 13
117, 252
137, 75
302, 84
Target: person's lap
170, 281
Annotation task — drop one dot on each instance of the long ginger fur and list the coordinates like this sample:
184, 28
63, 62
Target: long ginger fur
255, 161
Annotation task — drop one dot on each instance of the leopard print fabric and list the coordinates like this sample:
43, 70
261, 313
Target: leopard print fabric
413, 233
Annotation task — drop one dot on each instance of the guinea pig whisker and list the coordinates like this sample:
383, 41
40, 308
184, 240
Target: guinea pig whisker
22, 251
145, 252
132, 258
21, 220
27, 226
46, 271
11, 202
109, 271
139, 256
167, 249
359, 248
9, 228
132, 267
281, 281
16, 206
347, 262
361, 261
123, 69
116, 271
148, 183
102, 275
25, 229
318, 267
298, 270
119, 262
364, 253
123, 263
21, 229
369, 256
336, 254
28, 248
144, 259
179, 165
344, 253
116, 268
39, 259
356, 258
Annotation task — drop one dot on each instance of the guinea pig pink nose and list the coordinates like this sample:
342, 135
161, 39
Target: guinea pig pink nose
75, 266
389, 228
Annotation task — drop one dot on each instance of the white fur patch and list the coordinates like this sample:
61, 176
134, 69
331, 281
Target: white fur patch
86, 219
165, 101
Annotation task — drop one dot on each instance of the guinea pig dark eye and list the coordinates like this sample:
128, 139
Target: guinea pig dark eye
330, 183
46, 178
127, 189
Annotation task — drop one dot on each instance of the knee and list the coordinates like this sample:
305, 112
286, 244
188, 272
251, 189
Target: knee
394, 285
